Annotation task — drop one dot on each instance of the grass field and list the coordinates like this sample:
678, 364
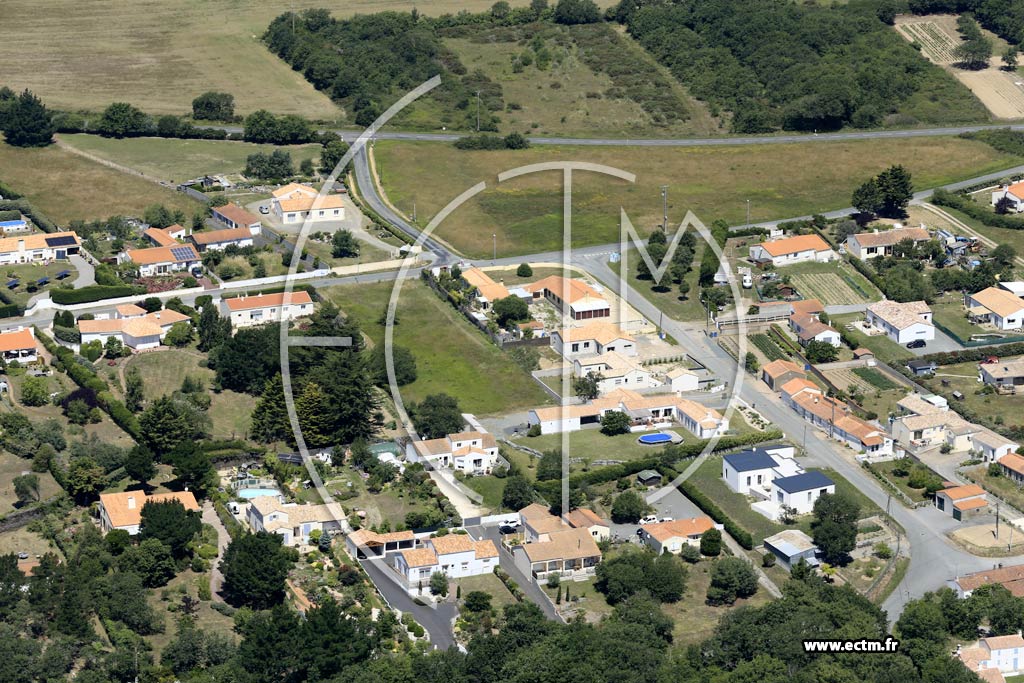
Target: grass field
451, 356
963, 377
886, 468
591, 444
714, 182
162, 373
180, 160
668, 299
206, 618
949, 312
12, 466
832, 283
65, 186
29, 273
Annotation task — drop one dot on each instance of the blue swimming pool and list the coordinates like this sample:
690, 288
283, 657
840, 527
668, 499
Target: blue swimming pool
256, 493
653, 439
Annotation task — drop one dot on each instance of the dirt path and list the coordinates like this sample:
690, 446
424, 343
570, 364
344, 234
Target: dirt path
210, 517
110, 164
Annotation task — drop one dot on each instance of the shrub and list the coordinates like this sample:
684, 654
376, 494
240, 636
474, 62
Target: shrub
90, 293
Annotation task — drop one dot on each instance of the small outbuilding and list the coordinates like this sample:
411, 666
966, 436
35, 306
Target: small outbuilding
648, 477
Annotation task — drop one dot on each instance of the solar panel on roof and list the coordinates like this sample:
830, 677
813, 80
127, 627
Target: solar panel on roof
42, 280
182, 253
62, 241
11, 284
63, 274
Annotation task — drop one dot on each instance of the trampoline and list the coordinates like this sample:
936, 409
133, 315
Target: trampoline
654, 439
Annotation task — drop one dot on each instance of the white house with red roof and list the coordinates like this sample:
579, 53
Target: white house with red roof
671, 536
246, 311
471, 452
790, 250
295, 203
18, 344
576, 298
233, 216
455, 555
1014, 193
161, 260
137, 332
593, 339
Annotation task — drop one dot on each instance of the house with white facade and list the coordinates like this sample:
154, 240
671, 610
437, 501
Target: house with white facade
835, 418
246, 311
1002, 654
867, 245
294, 522
961, 501
233, 216
488, 291
790, 546
218, 240
1014, 193
1006, 374
1012, 467
584, 518
137, 332
776, 373
295, 203
790, 250
756, 468
997, 307
572, 297
672, 536
616, 371
363, 543
809, 328
46, 246
682, 379
19, 344
472, 452
800, 491
162, 260
163, 237
569, 553
455, 555
123, 510
593, 339
902, 322
927, 422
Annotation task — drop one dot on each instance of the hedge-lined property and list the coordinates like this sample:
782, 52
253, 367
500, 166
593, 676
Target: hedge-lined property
976, 210
87, 379
92, 293
741, 535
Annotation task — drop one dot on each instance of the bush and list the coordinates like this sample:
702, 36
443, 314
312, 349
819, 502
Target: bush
524, 270
741, 535
768, 560
90, 293
711, 543
689, 554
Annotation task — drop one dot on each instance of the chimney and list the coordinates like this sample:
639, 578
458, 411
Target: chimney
21, 245
131, 502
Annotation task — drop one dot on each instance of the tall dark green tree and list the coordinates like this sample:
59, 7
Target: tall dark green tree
214, 329
437, 416
270, 420
170, 523
255, 567
835, 526
27, 122
139, 465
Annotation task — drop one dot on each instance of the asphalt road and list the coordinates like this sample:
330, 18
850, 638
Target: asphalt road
527, 584
436, 620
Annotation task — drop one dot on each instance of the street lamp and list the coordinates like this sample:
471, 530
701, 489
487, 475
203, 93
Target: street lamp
494, 253
748, 212
664, 208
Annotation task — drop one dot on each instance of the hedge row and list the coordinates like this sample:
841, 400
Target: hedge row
11, 311
8, 193
87, 379
976, 210
741, 535
234, 529
93, 293
25, 207
975, 354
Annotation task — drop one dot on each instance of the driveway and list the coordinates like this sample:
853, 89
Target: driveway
942, 342
526, 583
671, 503
86, 271
211, 517
436, 620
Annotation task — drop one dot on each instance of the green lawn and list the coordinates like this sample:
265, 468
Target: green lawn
886, 468
179, 160
390, 505
949, 312
490, 487
30, 273
713, 181
591, 444
451, 355
488, 583
883, 347
1001, 486
206, 618
587, 598
12, 466
666, 297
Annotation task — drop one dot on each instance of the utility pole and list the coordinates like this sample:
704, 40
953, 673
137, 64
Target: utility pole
997, 519
414, 211
748, 212
664, 208
494, 254
477, 111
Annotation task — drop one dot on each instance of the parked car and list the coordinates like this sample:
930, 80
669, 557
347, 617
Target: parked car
506, 529
916, 344
264, 210
665, 519
990, 360
649, 519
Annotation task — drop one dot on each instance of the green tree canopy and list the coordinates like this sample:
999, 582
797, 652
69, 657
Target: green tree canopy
26, 122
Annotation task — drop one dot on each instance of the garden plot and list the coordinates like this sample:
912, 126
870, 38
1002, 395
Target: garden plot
936, 44
829, 288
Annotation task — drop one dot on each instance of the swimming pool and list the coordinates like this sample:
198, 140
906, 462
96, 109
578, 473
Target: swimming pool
654, 439
256, 493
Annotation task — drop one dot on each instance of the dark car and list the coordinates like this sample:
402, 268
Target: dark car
916, 344
506, 529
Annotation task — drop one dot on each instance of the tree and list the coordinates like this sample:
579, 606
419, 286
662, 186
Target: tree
1010, 58
192, 467
270, 421
684, 288
403, 361
628, 508
85, 478
35, 391
214, 106
517, 493
255, 567
868, 198
1005, 205
313, 412
134, 389
180, 334
437, 416
615, 422
577, 12
151, 560
821, 352
344, 245
731, 578
277, 164
167, 422
897, 190
26, 122
214, 329
834, 528
524, 270
500, 9
1004, 255
26, 488
439, 584
711, 543
550, 465
114, 348
139, 465
261, 126
510, 309
477, 601
587, 387
170, 523
974, 53
666, 579
121, 119
750, 363
331, 154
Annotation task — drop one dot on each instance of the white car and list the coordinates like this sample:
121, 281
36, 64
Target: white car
649, 519
665, 519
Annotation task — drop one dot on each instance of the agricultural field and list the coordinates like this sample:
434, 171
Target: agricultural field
526, 213
763, 342
832, 283
179, 160
455, 358
938, 37
65, 186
